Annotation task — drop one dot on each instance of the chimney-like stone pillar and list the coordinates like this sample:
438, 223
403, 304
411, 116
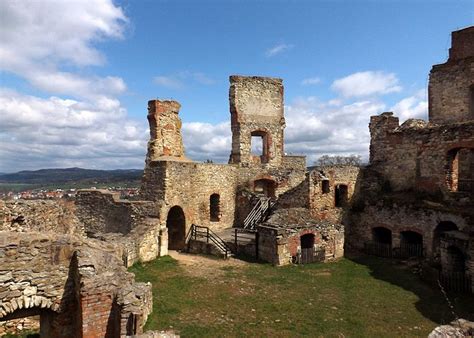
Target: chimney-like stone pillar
166, 142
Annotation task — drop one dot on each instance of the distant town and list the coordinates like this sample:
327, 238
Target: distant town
48, 194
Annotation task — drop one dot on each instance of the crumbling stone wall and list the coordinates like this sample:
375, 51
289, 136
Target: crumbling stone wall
451, 83
39, 215
78, 286
103, 211
322, 195
399, 217
414, 156
165, 131
280, 236
256, 107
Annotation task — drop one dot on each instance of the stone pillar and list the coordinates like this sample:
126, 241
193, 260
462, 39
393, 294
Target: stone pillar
166, 141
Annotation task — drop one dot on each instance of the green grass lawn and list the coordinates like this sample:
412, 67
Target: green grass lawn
368, 298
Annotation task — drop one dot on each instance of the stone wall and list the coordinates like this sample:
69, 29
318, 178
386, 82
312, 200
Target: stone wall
451, 84
279, 238
256, 107
165, 131
399, 217
322, 195
57, 216
415, 156
77, 286
102, 211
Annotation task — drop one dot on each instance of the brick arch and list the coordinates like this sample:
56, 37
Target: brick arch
412, 229
459, 167
28, 303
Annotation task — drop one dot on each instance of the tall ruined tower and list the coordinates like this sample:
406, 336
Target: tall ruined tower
165, 141
257, 120
451, 87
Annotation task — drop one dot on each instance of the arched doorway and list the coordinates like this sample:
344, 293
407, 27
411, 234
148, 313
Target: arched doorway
411, 244
176, 224
442, 227
382, 235
264, 187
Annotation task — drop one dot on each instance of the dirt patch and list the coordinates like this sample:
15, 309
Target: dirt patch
209, 268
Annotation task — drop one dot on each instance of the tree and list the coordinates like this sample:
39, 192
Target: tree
327, 160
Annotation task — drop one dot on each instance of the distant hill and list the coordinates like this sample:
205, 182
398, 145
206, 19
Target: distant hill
70, 178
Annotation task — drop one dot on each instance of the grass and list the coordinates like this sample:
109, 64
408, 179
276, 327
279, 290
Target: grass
369, 297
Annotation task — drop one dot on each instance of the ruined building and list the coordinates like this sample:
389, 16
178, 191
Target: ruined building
67, 263
417, 192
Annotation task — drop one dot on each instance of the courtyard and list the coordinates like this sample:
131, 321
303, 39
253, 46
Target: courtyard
199, 296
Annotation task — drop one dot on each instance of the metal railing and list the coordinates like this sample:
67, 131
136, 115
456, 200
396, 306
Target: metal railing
259, 212
198, 231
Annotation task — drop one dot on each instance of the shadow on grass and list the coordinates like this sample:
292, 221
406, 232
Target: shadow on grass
431, 302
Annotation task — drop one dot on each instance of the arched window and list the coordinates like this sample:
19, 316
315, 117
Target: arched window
214, 208
259, 145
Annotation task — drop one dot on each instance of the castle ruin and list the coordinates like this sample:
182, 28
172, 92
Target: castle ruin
413, 199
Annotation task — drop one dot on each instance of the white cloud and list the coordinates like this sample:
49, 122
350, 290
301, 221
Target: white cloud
82, 122
311, 81
278, 49
366, 84
54, 132
204, 141
39, 38
415, 106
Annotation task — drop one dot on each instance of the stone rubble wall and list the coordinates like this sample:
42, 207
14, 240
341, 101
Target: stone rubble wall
415, 158
256, 105
82, 282
280, 236
451, 83
400, 218
57, 216
165, 131
102, 211
322, 204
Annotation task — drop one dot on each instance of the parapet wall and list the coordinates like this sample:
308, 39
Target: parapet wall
415, 156
102, 211
57, 216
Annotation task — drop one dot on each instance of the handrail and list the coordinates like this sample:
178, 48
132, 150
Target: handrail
202, 231
258, 212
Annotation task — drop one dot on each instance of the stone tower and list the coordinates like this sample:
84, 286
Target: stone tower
165, 141
451, 87
256, 108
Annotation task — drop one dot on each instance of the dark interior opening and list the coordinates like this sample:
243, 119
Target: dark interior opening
325, 186
307, 241
456, 261
341, 196
176, 224
382, 235
214, 208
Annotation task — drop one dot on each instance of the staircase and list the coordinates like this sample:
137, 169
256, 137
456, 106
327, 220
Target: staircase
259, 212
204, 234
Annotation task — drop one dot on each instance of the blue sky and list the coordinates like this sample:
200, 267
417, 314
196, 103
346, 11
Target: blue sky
76, 75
